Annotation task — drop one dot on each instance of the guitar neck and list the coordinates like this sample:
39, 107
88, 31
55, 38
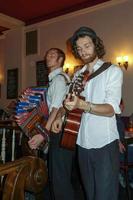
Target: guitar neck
78, 84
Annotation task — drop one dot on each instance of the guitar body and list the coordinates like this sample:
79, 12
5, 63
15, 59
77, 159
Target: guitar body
73, 118
70, 129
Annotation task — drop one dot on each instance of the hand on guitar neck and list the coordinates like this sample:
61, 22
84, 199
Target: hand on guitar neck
72, 102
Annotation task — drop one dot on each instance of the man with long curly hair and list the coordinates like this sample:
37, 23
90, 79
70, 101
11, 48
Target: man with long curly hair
97, 141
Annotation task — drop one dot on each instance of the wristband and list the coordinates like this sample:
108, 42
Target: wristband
43, 131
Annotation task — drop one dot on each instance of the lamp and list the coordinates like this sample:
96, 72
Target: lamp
122, 61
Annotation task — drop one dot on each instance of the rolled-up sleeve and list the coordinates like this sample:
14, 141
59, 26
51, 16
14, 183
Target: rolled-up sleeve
58, 92
114, 88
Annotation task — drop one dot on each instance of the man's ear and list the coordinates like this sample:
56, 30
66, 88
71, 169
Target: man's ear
60, 60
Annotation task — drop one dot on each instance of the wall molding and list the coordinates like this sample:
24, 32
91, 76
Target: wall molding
10, 22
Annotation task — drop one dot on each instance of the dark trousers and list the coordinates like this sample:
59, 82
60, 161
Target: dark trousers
60, 170
99, 171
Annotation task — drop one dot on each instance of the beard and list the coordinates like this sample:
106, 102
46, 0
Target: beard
90, 59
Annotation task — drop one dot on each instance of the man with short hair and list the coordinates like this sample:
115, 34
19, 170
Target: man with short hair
60, 160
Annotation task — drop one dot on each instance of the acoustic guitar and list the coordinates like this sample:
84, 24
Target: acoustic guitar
72, 118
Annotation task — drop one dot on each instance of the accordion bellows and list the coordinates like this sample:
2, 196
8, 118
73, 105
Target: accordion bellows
32, 113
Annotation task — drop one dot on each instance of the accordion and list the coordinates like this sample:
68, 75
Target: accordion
32, 113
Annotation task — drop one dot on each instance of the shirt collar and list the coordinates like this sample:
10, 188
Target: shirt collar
54, 73
98, 64
95, 67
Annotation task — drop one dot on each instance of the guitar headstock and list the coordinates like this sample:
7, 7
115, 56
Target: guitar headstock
77, 86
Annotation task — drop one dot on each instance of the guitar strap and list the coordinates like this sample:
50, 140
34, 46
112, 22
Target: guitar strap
88, 76
105, 66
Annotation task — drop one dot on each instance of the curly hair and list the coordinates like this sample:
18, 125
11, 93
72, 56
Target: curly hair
86, 31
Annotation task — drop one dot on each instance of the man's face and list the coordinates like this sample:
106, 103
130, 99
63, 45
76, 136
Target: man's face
52, 59
86, 49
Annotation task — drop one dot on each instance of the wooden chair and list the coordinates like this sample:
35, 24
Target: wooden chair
25, 174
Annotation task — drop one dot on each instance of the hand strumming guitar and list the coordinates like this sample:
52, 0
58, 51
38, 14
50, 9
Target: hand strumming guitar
70, 103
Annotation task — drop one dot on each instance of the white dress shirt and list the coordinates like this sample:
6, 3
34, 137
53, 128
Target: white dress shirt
97, 131
57, 89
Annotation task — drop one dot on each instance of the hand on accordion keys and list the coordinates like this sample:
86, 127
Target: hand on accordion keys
41, 139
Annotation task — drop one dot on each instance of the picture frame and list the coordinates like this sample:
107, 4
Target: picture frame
41, 73
12, 83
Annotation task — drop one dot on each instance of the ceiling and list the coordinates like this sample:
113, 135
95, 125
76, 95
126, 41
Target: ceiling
26, 12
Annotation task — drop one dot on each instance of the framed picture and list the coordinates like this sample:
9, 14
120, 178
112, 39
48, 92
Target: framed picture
41, 74
12, 83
